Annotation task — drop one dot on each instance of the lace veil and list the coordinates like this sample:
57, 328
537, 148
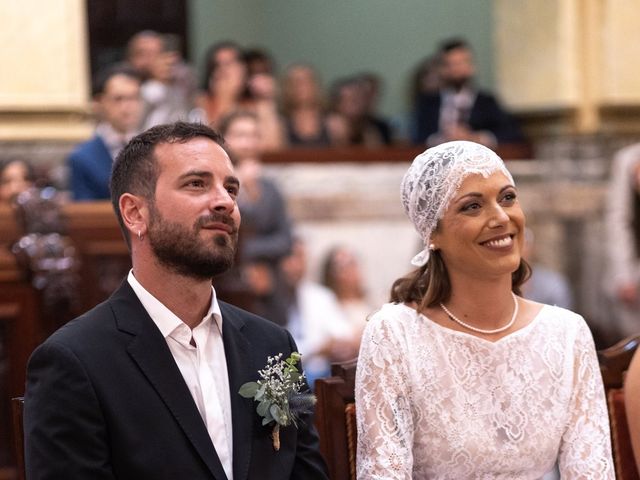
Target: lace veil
433, 179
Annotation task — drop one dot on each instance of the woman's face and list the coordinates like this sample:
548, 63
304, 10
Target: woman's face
14, 180
481, 234
302, 85
243, 138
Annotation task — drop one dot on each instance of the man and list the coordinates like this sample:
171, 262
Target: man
459, 111
143, 50
118, 106
145, 385
169, 84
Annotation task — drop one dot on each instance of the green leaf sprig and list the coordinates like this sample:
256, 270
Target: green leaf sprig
278, 393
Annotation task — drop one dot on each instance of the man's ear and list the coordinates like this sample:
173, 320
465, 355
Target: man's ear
135, 214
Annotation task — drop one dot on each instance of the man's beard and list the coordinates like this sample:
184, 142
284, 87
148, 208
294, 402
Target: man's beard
183, 251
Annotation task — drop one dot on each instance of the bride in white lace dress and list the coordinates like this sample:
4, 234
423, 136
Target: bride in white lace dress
460, 377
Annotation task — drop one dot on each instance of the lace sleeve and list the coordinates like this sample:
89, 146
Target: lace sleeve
385, 424
585, 450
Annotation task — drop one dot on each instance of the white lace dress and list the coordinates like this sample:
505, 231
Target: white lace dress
434, 403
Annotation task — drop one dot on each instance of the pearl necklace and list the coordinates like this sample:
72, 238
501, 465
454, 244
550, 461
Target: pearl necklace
480, 330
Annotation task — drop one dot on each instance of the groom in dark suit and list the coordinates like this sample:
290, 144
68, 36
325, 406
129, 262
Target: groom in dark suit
145, 385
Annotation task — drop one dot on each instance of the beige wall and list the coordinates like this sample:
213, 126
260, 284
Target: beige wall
572, 56
44, 88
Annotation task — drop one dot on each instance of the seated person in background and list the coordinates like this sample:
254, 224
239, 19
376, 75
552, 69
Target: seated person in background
371, 85
304, 110
341, 274
16, 176
349, 117
316, 322
266, 228
227, 88
142, 51
622, 220
544, 285
460, 111
118, 107
632, 404
169, 89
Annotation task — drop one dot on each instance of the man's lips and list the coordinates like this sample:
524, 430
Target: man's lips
219, 226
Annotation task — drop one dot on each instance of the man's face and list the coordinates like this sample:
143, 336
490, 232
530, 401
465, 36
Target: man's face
144, 53
120, 103
458, 68
194, 219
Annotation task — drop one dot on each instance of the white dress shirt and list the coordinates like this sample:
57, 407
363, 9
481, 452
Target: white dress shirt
199, 355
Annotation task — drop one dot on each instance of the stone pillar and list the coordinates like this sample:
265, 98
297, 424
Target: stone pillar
44, 79
569, 66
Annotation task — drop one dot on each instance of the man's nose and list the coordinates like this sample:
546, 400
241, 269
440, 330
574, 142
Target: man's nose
221, 200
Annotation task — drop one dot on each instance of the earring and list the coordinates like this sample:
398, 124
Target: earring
139, 235
432, 247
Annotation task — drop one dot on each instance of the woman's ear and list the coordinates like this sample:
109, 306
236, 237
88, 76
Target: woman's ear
135, 214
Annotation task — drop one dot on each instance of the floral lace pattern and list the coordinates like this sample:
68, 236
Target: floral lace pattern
435, 176
434, 403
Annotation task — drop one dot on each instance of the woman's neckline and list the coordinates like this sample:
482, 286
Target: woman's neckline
448, 330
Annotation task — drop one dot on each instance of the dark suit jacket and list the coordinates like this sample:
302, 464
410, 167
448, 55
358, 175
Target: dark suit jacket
105, 400
90, 170
486, 114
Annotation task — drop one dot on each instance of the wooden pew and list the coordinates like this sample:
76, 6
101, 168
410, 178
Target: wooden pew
24, 322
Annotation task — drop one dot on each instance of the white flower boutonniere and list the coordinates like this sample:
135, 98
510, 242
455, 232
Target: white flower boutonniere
278, 394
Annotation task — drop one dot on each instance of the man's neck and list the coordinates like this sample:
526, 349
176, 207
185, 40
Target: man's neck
188, 298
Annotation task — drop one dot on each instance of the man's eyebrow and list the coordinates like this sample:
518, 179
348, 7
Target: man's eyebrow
196, 173
232, 179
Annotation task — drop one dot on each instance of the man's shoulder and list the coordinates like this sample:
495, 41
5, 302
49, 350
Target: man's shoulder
89, 147
246, 320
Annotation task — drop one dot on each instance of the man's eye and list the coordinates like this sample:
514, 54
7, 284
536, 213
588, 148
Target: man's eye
195, 183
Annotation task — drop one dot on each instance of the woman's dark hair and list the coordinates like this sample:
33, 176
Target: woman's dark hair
210, 59
329, 269
429, 285
31, 173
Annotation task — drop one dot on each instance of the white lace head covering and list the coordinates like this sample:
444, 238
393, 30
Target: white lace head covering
433, 179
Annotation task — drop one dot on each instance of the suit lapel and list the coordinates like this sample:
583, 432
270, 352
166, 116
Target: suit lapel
149, 350
241, 369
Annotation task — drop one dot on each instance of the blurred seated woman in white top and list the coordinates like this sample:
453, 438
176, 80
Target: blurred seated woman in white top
460, 377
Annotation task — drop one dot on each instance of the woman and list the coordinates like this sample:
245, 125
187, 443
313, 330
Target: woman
16, 176
341, 274
632, 404
622, 219
302, 104
266, 229
460, 377
227, 88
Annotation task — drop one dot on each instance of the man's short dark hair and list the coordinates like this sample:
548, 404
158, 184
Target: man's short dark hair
103, 76
135, 170
453, 43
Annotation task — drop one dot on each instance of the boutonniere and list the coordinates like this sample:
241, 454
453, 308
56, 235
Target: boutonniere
280, 401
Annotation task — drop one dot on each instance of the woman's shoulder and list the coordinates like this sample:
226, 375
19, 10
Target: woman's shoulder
562, 320
392, 316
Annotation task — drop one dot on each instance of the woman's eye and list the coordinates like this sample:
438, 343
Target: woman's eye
470, 207
509, 197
